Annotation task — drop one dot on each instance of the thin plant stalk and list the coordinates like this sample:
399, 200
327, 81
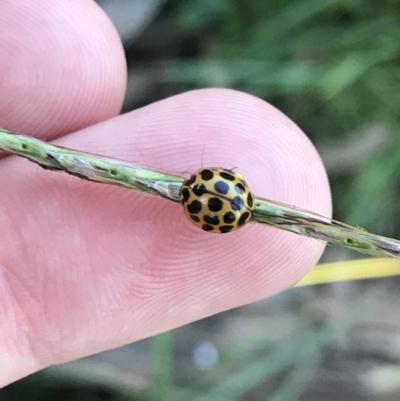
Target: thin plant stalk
105, 170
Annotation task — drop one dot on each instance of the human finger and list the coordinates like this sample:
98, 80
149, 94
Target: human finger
88, 267
62, 66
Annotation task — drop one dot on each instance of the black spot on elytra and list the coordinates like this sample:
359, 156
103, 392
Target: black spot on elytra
239, 188
199, 189
225, 229
221, 187
227, 176
207, 227
229, 218
195, 219
237, 203
215, 204
194, 207
211, 219
243, 218
207, 175
185, 195
250, 201
190, 181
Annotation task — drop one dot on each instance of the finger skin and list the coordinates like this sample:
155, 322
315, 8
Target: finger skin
62, 66
87, 267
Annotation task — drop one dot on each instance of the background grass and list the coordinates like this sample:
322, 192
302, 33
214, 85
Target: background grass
333, 67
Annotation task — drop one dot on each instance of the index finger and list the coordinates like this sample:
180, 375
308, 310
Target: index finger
88, 267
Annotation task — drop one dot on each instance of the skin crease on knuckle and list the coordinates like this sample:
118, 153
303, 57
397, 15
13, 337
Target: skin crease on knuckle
87, 267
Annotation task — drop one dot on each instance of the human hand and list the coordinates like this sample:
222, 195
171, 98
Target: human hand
87, 267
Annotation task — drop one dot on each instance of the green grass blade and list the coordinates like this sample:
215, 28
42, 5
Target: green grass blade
162, 370
115, 172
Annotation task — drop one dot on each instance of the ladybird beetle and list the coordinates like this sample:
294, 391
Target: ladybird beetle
217, 200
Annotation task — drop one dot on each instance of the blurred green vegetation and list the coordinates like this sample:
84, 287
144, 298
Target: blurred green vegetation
333, 67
